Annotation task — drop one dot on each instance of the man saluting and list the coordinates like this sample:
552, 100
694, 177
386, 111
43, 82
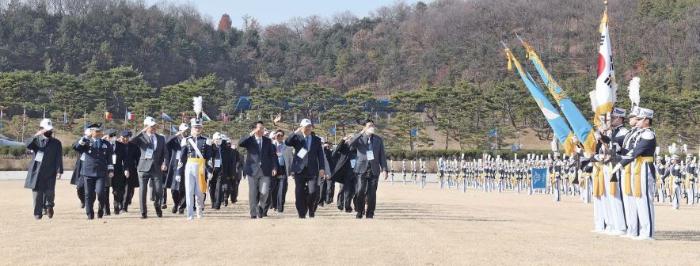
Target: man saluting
44, 169
307, 167
95, 168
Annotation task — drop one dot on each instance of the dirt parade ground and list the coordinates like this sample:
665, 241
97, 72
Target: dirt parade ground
411, 227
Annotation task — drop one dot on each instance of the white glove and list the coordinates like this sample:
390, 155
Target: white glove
177, 178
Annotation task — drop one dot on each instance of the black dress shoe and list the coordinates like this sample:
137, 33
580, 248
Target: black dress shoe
253, 217
108, 212
302, 217
348, 210
159, 214
164, 206
99, 214
181, 211
174, 210
37, 217
359, 215
370, 216
82, 205
91, 217
144, 216
50, 213
312, 215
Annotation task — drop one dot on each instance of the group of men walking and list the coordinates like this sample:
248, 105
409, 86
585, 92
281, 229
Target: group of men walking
192, 165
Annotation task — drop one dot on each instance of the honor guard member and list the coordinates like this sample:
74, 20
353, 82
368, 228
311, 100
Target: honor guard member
675, 175
196, 152
441, 169
661, 192
371, 161
612, 138
45, 167
177, 187
96, 167
259, 167
151, 164
308, 167
403, 170
643, 179
691, 171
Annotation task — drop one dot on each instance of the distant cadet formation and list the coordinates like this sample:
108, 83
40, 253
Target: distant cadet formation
190, 166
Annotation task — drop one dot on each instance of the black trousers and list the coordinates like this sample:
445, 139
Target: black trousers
340, 200
42, 199
104, 205
216, 191
306, 194
280, 183
329, 191
346, 195
366, 187
94, 187
234, 190
118, 192
81, 193
157, 186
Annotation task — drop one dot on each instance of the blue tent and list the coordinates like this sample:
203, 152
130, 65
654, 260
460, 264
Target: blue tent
243, 104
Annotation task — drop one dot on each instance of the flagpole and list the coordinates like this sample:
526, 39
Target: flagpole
24, 120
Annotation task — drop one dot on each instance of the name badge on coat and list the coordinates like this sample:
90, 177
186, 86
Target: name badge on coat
39, 156
352, 163
370, 155
82, 157
217, 163
114, 159
302, 153
148, 154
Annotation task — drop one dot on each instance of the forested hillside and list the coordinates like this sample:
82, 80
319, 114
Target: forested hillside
442, 58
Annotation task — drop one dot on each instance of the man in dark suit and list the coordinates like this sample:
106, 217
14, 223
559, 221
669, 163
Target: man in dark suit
177, 187
260, 166
151, 164
76, 179
371, 161
343, 173
237, 169
222, 168
44, 169
118, 182
307, 167
96, 167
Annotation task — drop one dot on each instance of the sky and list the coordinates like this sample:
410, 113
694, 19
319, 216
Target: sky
278, 11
